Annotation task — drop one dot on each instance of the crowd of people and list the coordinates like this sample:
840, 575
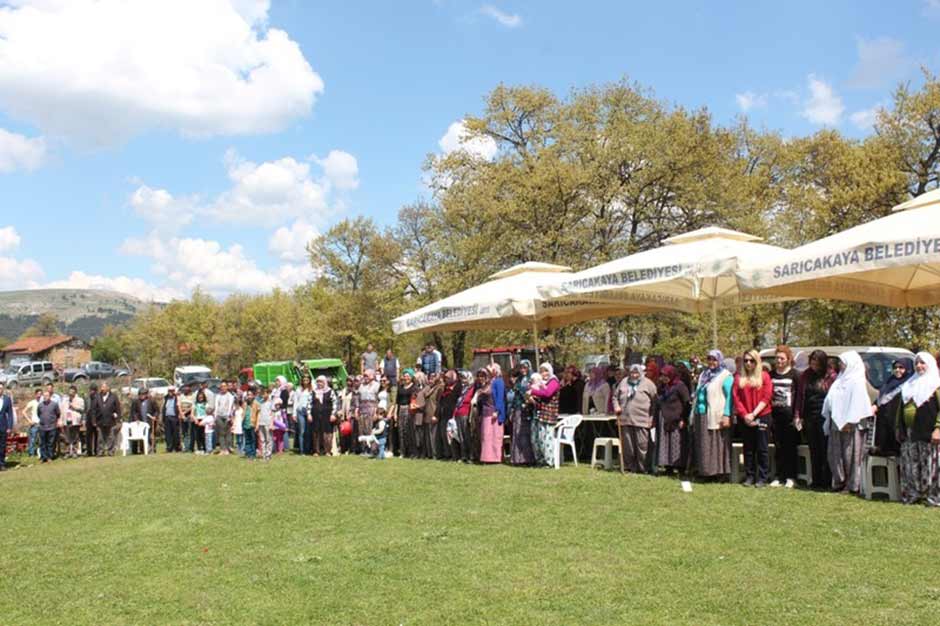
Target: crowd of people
677, 418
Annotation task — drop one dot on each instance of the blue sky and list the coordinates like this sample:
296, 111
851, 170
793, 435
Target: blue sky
150, 147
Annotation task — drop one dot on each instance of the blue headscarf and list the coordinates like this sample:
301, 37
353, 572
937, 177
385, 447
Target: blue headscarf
710, 372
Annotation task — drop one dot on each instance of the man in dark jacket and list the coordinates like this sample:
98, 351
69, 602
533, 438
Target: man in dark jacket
49, 414
144, 410
6, 424
108, 419
170, 413
92, 409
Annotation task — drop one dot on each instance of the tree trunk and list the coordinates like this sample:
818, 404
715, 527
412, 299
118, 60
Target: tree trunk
460, 340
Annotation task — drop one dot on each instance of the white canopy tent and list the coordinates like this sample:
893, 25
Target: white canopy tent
509, 300
892, 261
693, 272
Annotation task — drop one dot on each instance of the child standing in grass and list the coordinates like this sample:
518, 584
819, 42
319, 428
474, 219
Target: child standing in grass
200, 411
280, 425
264, 424
238, 416
249, 420
208, 423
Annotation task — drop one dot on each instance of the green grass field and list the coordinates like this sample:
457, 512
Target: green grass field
172, 539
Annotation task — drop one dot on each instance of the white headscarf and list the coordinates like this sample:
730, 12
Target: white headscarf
847, 401
921, 387
548, 367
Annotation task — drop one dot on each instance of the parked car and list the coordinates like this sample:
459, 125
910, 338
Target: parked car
877, 359
29, 374
93, 370
191, 375
158, 387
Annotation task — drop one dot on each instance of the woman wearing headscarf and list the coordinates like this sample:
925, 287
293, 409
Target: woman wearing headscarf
919, 432
887, 407
673, 409
368, 399
596, 393
545, 403
425, 408
634, 406
491, 431
712, 418
320, 417
406, 425
847, 404
753, 395
446, 406
811, 394
459, 431
520, 415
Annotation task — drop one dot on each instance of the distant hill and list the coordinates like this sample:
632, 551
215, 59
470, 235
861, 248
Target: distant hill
83, 312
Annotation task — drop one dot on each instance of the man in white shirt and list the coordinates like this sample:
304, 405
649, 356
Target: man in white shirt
223, 408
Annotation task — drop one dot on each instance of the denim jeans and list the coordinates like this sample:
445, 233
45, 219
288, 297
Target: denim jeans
240, 443
33, 440
249, 443
380, 444
210, 440
303, 442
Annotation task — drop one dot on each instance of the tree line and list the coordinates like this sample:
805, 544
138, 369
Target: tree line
578, 180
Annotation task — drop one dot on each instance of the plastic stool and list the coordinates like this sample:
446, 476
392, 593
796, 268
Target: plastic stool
804, 465
607, 444
771, 461
892, 488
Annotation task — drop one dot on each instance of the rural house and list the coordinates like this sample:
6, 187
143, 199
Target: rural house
61, 350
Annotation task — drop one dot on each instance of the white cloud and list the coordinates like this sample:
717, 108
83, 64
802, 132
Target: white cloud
188, 263
136, 287
340, 168
880, 61
99, 71
290, 244
750, 100
18, 152
824, 106
864, 119
160, 208
458, 138
9, 239
17, 274
509, 20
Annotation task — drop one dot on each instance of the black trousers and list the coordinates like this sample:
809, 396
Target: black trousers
171, 431
3, 447
48, 440
756, 457
91, 440
818, 450
786, 440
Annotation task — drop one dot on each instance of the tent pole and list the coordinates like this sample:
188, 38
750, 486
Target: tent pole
714, 324
535, 341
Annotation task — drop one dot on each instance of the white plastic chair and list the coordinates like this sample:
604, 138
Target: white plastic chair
564, 435
891, 488
135, 431
804, 465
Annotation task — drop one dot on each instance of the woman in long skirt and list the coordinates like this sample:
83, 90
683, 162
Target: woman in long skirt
671, 423
847, 404
521, 414
712, 420
491, 431
545, 402
919, 432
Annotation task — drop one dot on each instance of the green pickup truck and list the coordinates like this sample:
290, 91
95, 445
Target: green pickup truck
267, 372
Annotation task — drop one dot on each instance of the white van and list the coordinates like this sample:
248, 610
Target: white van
877, 359
190, 375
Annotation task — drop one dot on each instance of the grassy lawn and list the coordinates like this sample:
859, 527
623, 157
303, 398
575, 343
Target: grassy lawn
174, 539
